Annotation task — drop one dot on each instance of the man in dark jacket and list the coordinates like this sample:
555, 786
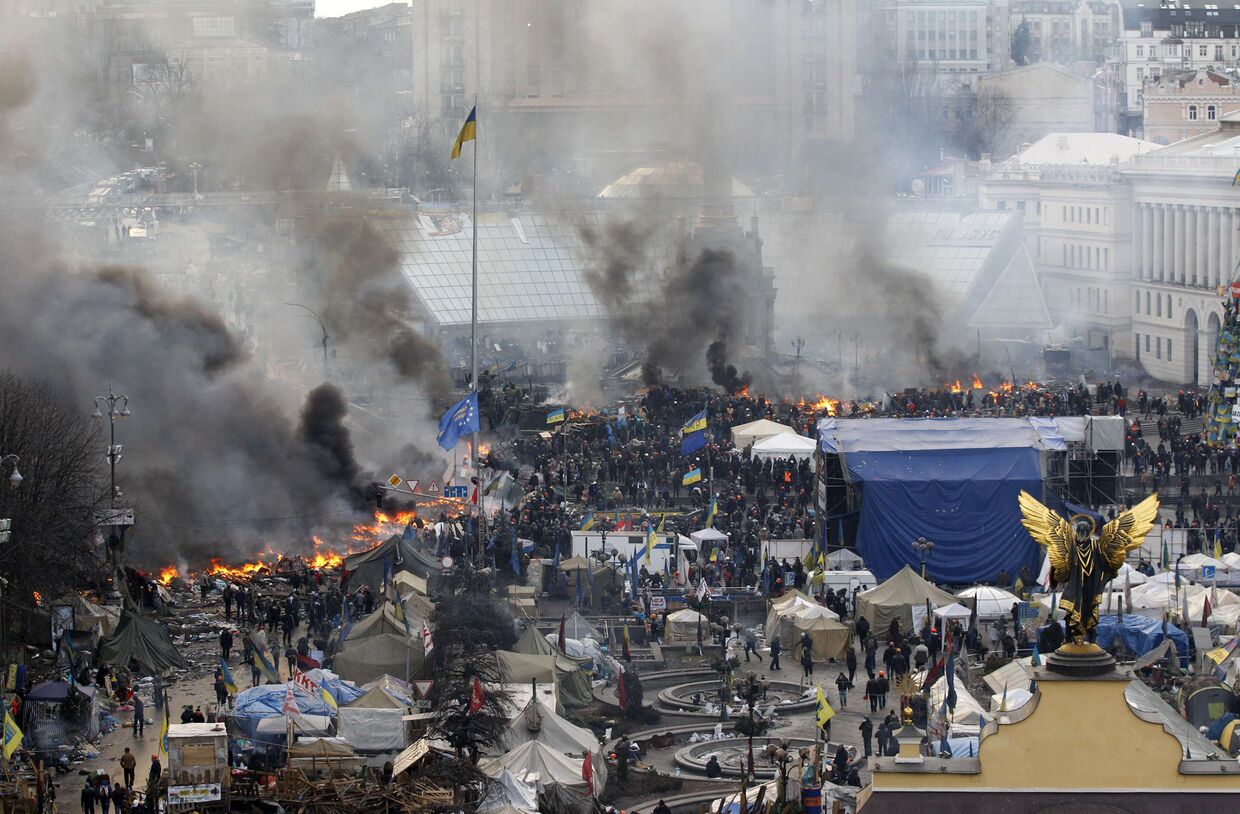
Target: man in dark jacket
867, 733
776, 648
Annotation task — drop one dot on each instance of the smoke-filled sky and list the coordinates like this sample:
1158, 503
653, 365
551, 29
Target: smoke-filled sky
336, 8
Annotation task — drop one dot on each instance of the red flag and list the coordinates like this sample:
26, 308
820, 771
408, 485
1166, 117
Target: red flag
934, 673
1205, 612
476, 698
290, 703
562, 650
622, 693
587, 774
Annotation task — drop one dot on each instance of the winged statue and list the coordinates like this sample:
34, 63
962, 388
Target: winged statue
1082, 562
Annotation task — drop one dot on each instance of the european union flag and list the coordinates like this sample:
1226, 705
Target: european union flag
692, 442
461, 419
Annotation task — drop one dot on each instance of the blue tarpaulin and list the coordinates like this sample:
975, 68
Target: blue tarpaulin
267, 701
1140, 634
953, 481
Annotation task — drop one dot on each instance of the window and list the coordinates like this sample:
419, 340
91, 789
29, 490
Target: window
1211, 113
1106, 259
1158, 348
1203, 50
1168, 306
1147, 343
1097, 215
1140, 55
1065, 214
1136, 338
1192, 113
1168, 350
1158, 305
1147, 28
1147, 303
1088, 215
1065, 255
1137, 305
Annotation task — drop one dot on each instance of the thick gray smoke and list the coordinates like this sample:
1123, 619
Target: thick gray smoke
323, 431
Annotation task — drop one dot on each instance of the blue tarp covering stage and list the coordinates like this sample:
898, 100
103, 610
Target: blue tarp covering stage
1140, 634
953, 481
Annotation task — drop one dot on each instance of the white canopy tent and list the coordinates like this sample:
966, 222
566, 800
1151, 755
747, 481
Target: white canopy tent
746, 435
548, 770
844, 560
682, 627
992, 603
710, 536
953, 611
786, 445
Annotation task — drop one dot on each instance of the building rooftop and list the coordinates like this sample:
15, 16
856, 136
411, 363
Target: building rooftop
675, 180
1082, 148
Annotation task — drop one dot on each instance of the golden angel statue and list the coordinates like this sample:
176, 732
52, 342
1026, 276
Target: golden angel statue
1080, 561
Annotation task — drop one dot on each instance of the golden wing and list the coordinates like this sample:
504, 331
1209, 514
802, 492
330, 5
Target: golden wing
1128, 531
1051, 531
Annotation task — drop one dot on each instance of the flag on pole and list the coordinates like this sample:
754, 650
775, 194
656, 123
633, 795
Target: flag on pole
714, 509
427, 644
1218, 546
476, 698
628, 653
1003, 700
825, 713
587, 774
328, 698
1205, 612
516, 553
229, 684
693, 434
692, 476
1044, 576
652, 540
588, 523
469, 132
460, 420
12, 735
163, 730
265, 666
556, 416
290, 701
701, 589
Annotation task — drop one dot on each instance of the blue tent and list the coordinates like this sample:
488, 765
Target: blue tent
953, 481
257, 703
1140, 634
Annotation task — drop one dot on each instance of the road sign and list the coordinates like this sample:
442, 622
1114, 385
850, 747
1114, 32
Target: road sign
457, 492
114, 517
423, 687
395, 481
412, 484
446, 562
433, 488
1207, 572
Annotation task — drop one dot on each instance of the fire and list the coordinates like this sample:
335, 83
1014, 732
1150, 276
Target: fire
245, 570
384, 526
955, 387
325, 557
827, 405
743, 392
38, 598
1031, 385
166, 575
977, 383
1005, 386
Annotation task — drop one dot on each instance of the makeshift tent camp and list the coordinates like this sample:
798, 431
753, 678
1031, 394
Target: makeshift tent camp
324, 755
1149, 706
992, 603
968, 712
895, 598
682, 627
1232, 559
744, 435
531, 656
342, 691
785, 445
1205, 699
257, 704
46, 725
1139, 634
575, 626
845, 560
389, 557
797, 604
374, 722
951, 480
377, 645
102, 619
830, 636
407, 581
554, 775
537, 721
143, 640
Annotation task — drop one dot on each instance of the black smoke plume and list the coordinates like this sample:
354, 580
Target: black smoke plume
722, 372
327, 439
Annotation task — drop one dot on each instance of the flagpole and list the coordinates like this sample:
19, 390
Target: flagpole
473, 330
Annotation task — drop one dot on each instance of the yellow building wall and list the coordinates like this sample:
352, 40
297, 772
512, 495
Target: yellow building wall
1083, 735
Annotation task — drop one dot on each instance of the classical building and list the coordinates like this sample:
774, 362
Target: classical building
957, 39
1181, 104
1185, 248
600, 88
1066, 31
1077, 209
1036, 100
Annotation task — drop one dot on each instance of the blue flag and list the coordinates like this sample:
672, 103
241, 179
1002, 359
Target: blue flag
516, 554
633, 573
692, 442
951, 682
461, 419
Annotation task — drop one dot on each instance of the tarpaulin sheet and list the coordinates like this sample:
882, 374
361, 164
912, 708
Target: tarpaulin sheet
1140, 634
963, 500
912, 434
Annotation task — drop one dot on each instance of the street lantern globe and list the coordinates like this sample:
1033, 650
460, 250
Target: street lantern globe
124, 411
16, 478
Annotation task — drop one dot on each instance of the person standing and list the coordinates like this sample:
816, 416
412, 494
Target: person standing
807, 663
129, 763
776, 648
842, 684
139, 716
157, 769
226, 643
867, 733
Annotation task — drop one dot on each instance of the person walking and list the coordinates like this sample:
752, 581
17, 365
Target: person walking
129, 763
104, 795
139, 716
751, 643
776, 648
850, 661
884, 686
88, 798
867, 733
842, 684
871, 693
226, 643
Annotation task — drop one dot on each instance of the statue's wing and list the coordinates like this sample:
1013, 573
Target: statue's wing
1128, 531
1050, 530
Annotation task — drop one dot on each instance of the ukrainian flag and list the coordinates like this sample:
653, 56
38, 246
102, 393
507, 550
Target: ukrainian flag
229, 684
652, 540
588, 523
691, 477
555, 416
695, 424
12, 736
327, 698
163, 730
714, 509
469, 132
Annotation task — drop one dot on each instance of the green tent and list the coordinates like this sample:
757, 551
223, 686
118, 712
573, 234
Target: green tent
138, 638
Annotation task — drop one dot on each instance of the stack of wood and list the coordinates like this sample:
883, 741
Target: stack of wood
352, 795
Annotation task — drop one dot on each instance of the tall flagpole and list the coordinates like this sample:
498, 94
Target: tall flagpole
473, 334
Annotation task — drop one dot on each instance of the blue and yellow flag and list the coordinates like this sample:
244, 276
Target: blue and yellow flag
229, 684
695, 424
714, 509
327, 698
556, 416
12, 736
691, 477
588, 523
652, 540
265, 666
469, 132
1235, 179
163, 731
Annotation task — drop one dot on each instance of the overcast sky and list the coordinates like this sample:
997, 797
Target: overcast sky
334, 8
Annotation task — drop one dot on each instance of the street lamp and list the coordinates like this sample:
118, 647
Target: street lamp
924, 547
749, 689
15, 477
322, 328
781, 757
117, 407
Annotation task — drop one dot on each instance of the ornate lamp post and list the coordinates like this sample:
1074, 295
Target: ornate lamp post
117, 407
924, 547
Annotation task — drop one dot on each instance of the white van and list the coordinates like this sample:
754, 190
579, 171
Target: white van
680, 550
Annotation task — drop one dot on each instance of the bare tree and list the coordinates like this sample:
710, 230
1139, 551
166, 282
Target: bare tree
52, 547
985, 117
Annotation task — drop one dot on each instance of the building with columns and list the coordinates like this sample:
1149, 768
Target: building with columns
1186, 214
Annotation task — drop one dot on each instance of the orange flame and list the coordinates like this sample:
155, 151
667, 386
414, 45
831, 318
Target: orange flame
325, 557
245, 570
743, 392
166, 575
38, 598
1005, 386
955, 387
977, 383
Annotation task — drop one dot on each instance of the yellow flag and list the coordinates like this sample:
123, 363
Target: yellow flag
12, 736
469, 132
652, 540
1218, 548
825, 713
327, 698
163, 731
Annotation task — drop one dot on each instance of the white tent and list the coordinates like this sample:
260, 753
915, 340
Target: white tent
1126, 576
549, 771
1166, 577
964, 718
953, 611
786, 445
844, 560
682, 627
1232, 559
704, 536
374, 722
1017, 697
744, 435
992, 603
538, 721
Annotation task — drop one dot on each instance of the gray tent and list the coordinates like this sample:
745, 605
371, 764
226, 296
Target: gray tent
374, 722
391, 556
895, 598
572, 680
142, 640
379, 645
576, 627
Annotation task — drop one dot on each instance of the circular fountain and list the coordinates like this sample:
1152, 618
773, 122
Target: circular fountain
701, 698
733, 754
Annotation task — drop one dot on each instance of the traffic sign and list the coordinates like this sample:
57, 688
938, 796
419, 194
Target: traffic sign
456, 492
423, 687
394, 481
446, 562
433, 488
114, 517
412, 484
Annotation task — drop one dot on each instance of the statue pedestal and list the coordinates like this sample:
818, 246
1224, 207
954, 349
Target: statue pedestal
1080, 661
